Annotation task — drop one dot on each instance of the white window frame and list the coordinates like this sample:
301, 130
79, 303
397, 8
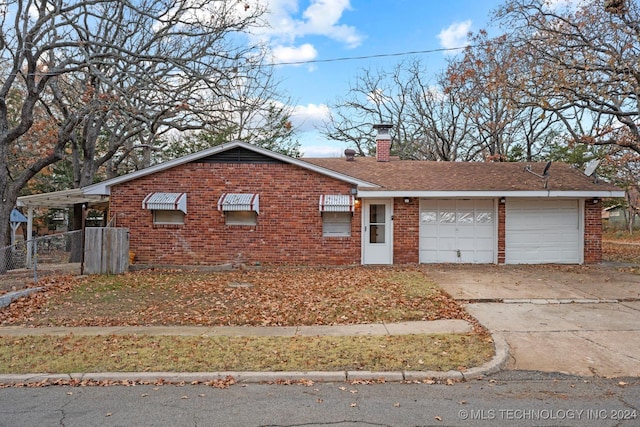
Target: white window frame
336, 224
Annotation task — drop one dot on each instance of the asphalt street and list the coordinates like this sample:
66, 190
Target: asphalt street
508, 398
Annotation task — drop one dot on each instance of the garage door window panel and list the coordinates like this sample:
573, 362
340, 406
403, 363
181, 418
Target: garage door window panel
465, 217
448, 217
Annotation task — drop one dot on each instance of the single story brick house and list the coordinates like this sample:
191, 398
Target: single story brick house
238, 202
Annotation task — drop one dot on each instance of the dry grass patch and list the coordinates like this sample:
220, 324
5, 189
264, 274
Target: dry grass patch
273, 297
138, 353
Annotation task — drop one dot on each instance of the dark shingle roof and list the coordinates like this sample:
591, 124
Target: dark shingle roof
413, 175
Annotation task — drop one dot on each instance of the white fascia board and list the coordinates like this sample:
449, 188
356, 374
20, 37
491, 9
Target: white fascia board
489, 194
104, 187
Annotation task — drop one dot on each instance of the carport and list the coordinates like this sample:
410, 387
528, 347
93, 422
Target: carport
64, 199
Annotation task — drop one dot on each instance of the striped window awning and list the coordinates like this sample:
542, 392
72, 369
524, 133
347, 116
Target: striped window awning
239, 202
337, 203
166, 202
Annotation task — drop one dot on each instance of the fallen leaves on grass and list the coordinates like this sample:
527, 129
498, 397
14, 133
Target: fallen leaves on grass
221, 383
276, 297
621, 252
75, 353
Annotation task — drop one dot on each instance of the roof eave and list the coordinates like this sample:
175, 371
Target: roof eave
364, 193
104, 187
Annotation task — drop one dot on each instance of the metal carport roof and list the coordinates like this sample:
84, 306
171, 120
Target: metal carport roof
61, 199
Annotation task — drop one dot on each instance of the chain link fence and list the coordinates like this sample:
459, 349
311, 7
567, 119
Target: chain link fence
30, 260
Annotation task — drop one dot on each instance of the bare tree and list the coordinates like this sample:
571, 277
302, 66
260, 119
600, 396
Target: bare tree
427, 123
581, 57
503, 128
252, 111
105, 71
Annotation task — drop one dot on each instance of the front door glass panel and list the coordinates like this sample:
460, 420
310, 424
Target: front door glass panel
377, 223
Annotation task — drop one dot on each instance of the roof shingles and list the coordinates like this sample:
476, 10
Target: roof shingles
414, 175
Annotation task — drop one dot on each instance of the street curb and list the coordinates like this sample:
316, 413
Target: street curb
10, 297
501, 348
494, 365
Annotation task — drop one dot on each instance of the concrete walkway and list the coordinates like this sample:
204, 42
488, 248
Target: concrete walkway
453, 326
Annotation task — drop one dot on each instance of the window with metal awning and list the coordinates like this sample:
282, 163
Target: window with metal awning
337, 203
167, 208
240, 208
166, 202
233, 202
336, 210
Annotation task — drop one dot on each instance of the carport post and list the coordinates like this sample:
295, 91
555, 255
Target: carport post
29, 235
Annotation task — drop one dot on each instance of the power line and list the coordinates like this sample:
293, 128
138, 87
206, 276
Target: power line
380, 55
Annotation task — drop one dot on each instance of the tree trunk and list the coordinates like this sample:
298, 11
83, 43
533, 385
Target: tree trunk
5, 235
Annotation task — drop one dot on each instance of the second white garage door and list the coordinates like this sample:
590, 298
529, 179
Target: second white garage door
457, 231
543, 231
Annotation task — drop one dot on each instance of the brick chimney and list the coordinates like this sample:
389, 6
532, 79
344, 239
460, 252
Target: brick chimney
383, 142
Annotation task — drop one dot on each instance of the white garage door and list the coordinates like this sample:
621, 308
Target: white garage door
457, 231
543, 231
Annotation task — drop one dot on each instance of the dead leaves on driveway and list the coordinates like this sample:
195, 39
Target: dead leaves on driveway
271, 297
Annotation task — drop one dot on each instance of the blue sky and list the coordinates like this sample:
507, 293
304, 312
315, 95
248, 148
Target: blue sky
303, 30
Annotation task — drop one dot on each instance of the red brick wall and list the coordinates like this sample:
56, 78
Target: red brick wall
501, 232
592, 232
383, 150
406, 231
289, 228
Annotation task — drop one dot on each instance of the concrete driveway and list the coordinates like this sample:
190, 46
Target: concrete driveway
582, 320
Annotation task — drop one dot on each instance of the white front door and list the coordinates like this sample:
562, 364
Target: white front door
377, 236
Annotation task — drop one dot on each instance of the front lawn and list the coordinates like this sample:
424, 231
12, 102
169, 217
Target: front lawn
620, 246
139, 353
270, 297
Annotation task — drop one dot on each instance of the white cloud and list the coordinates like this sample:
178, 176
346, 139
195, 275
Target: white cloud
305, 52
314, 144
325, 150
321, 18
309, 117
455, 35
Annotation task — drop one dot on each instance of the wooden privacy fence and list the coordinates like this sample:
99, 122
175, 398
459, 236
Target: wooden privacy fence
106, 250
